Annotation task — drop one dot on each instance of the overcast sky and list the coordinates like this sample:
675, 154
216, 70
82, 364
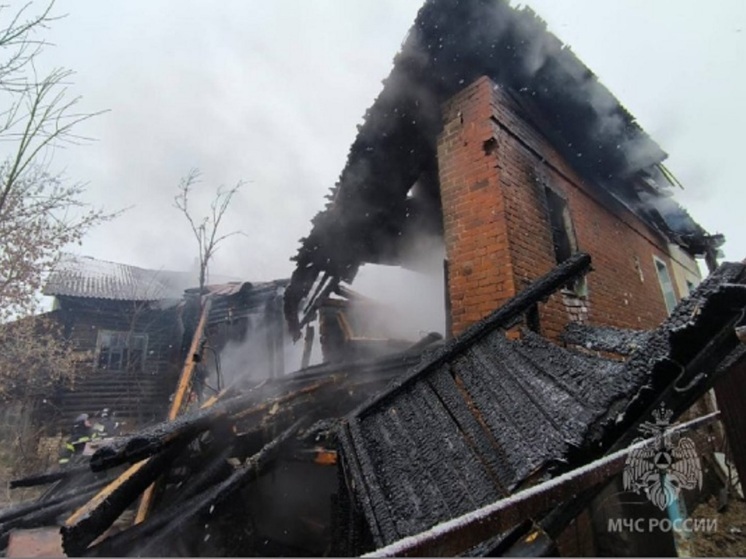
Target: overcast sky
271, 92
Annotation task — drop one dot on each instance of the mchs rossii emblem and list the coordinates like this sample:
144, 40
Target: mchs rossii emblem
663, 466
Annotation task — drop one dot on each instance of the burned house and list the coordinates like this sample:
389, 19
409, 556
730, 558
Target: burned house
123, 321
575, 311
492, 136
132, 328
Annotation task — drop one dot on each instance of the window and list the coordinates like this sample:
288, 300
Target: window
563, 236
669, 295
120, 351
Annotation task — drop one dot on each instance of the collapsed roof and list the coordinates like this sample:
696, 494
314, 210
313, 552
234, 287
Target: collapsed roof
487, 416
469, 423
388, 189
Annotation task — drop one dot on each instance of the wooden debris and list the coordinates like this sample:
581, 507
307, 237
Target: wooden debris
154, 530
91, 520
28, 508
48, 477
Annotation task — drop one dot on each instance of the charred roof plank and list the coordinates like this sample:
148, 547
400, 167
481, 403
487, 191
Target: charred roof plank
547, 408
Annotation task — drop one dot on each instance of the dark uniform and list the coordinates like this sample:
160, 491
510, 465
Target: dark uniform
81, 434
105, 426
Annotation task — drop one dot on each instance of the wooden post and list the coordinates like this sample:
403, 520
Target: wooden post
278, 322
183, 388
730, 390
307, 347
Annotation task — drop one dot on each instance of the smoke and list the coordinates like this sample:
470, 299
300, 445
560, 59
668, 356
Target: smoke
413, 299
250, 359
450, 45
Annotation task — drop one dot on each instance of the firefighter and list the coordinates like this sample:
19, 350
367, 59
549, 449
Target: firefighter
80, 435
105, 426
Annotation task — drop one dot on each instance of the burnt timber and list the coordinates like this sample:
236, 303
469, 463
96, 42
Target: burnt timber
512, 413
471, 423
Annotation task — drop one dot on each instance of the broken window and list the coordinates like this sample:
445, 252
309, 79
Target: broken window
120, 351
664, 278
563, 235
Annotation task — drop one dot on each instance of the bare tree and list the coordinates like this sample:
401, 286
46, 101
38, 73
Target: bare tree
40, 211
205, 230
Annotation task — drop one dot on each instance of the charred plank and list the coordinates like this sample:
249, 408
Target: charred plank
621, 341
42, 516
23, 509
48, 477
86, 524
160, 526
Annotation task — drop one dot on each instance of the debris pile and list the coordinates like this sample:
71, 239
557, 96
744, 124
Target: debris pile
347, 458
201, 461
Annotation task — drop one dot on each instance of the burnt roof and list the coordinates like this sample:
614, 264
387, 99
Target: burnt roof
470, 431
452, 43
481, 419
621, 341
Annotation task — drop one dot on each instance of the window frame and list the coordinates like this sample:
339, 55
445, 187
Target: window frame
670, 305
122, 349
563, 218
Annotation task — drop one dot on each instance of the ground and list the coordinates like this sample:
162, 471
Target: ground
14, 465
729, 540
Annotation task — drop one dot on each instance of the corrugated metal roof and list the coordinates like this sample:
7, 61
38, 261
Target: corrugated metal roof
83, 276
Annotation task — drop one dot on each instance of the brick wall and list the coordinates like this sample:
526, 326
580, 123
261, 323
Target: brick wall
494, 166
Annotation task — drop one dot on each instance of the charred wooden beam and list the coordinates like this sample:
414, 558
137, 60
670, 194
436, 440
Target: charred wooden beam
162, 525
515, 307
460, 534
23, 509
269, 404
244, 475
48, 477
158, 437
211, 473
151, 441
42, 516
108, 504
148, 496
91, 520
187, 373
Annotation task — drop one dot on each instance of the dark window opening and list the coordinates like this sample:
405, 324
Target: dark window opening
120, 351
533, 321
563, 236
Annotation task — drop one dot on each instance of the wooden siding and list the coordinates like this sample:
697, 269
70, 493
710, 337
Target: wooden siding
136, 397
